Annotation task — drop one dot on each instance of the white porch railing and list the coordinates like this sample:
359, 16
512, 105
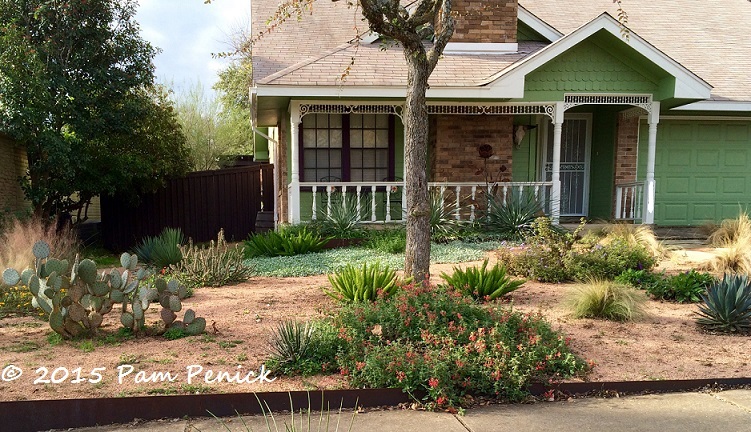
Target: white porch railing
383, 202
629, 201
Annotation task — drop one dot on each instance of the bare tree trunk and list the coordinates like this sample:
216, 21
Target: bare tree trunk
417, 254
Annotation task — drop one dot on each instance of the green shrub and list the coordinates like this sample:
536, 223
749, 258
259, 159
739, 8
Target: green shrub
175, 333
607, 300
163, 250
535, 263
642, 279
390, 241
284, 242
726, 306
216, 265
608, 261
303, 348
544, 258
687, 287
439, 346
481, 283
513, 218
359, 284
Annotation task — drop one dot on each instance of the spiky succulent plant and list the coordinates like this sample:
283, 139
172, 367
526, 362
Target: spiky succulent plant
727, 305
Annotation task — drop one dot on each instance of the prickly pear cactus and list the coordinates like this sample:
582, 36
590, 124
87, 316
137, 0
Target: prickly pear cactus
77, 299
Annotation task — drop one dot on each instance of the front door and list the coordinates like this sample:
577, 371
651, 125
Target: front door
575, 145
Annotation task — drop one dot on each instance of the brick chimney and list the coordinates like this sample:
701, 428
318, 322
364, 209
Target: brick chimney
484, 26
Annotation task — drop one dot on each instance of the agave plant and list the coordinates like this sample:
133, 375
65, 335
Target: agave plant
163, 250
727, 305
359, 284
481, 283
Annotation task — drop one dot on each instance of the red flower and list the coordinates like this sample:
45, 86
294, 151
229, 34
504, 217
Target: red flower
441, 400
433, 382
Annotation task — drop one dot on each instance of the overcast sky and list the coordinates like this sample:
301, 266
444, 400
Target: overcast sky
187, 32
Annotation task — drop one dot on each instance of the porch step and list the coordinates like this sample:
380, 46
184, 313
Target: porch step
684, 233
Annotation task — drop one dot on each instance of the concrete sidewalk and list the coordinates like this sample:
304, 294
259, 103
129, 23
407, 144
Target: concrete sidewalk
727, 411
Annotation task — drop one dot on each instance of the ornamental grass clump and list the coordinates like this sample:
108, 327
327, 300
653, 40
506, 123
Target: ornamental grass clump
481, 283
726, 306
442, 348
607, 300
733, 240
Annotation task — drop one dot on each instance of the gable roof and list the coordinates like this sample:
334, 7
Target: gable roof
315, 51
708, 37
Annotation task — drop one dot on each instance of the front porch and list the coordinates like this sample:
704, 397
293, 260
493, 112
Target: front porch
351, 155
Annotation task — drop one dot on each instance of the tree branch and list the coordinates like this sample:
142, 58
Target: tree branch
443, 32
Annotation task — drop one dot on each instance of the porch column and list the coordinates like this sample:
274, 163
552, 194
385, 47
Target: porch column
293, 191
556, 174
649, 191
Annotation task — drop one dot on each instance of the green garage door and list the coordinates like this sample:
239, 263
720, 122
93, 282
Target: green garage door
702, 170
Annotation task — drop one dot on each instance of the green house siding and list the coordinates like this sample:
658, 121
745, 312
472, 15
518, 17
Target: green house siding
588, 67
602, 164
702, 169
524, 158
526, 33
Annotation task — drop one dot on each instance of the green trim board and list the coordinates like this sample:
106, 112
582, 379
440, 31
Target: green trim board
702, 169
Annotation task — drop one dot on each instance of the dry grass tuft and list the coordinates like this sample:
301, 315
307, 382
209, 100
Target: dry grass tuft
732, 231
607, 300
637, 235
20, 236
733, 240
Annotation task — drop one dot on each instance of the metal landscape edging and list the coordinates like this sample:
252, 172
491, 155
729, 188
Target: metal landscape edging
36, 415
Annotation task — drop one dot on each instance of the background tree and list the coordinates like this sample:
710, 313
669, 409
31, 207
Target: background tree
77, 91
213, 127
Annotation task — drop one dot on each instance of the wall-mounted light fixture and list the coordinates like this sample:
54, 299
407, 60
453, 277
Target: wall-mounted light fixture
519, 132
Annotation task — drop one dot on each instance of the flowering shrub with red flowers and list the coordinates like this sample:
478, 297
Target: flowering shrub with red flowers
442, 348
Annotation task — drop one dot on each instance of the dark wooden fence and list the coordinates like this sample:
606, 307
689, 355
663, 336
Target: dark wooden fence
200, 204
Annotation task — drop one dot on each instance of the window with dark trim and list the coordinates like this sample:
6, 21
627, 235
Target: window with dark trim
349, 147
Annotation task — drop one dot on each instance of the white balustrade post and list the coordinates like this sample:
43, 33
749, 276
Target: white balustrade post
556, 174
373, 203
315, 205
649, 193
294, 186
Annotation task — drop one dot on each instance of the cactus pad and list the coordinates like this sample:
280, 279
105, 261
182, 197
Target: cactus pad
26, 275
161, 285
41, 249
130, 287
167, 316
87, 271
127, 320
34, 285
174, 304
95, 319
76, 312
125, 260
137, 311
57, 323
117, 296
197, 327
115, 279
173, 286
99, 289
11, 277
189, 316
73, 327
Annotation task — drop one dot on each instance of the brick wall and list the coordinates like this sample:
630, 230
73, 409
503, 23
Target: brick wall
12, 165
626, 146
485, 21
457, 138
280, 168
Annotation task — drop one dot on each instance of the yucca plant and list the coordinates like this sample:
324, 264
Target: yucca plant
291, 341
727, 305
513, 218
344, 219
481, 283
285, 242
360, 284
443, 222
607, 300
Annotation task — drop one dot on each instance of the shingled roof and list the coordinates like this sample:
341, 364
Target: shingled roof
705, 36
